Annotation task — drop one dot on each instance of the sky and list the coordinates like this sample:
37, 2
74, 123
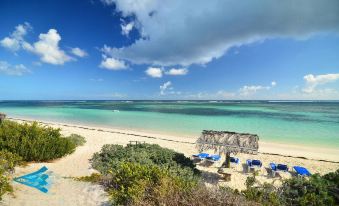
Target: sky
169, 49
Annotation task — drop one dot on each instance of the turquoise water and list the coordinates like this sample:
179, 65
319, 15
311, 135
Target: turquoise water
305, 123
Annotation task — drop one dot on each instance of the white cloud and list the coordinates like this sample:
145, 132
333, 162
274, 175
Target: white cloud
15, 40
154, 72
126, 28
164, 87
250, 90
273, 84
48, 48
79, 52
112, 64
174, 71
312, 81
15, 70
172, 32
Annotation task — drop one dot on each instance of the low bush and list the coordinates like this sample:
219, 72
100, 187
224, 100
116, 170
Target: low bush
8, 161
147, 154
77, 140
34, 142
302, 191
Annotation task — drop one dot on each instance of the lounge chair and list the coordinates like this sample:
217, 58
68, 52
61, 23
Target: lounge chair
301, 171
253, 164
201, 156
234, 160
214, 158
276, 168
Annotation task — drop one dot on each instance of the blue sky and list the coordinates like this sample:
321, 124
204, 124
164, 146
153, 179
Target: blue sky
114, 49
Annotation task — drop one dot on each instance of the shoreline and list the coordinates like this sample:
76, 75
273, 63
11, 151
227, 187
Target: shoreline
271, 148
64, 190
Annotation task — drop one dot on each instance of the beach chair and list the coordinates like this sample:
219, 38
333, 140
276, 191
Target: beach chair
253, 164
234, 160
276, 168
200, 156
214, 158
301, 171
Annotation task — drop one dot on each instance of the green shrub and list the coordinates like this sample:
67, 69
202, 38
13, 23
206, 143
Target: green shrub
77, 140
147, 154
8, 161
266, 194
94, 178
303, 191
34, 142
132, 183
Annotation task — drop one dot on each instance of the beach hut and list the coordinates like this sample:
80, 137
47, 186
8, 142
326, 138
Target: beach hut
225, 142
2, 117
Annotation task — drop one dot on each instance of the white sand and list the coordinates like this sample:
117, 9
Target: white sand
65, 191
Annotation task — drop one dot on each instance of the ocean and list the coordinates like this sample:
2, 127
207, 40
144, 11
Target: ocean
288, 122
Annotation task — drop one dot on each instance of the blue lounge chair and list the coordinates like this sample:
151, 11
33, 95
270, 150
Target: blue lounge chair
301, 171
234, 160
253, 164
201, 156
278, 168
214, 158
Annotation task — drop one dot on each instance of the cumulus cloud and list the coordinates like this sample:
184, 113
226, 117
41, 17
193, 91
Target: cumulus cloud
14, 70
79, 52
176, 32
312, 81
154, 72
16, 39
112, 64
175, 72
164, 87
48, 48
126, 28
273, 84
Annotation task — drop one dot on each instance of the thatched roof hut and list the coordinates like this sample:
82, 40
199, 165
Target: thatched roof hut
2, 117
226, 142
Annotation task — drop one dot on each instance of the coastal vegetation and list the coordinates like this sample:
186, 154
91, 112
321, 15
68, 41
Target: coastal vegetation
34, 142
146, 174
26, 142
315, 190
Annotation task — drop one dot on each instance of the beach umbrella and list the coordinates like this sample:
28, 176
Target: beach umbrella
226, 142
2, 117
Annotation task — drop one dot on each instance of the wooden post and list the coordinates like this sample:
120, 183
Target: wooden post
228, 160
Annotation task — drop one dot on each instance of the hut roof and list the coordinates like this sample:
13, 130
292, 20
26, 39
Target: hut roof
225, 141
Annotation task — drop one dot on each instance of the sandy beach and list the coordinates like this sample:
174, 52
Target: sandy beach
66, 191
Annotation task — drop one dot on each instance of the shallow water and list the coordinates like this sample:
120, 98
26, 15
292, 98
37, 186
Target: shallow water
304, 123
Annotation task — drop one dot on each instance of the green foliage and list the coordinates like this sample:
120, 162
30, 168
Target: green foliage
132, 183
34, 142
302, 191
333, 188
77, 140
315, 190
266, 194
94, 178
8, 161
147, 154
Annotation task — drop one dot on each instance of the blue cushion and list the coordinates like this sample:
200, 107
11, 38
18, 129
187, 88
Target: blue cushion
301, 170
273, 166
282, 167
256, 163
